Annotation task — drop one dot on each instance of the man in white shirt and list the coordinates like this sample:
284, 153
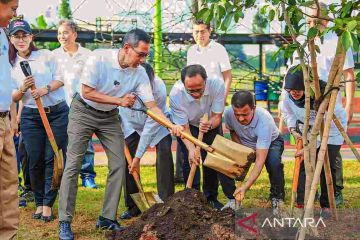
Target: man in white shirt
9, 211
210, 54
71, 58
107, 82
190, 98
254, 127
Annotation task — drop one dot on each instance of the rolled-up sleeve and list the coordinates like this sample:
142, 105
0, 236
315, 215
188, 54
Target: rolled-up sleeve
224, 59
143, 89
289, 115
227, 119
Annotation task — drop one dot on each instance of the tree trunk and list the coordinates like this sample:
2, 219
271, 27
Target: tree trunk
334, 77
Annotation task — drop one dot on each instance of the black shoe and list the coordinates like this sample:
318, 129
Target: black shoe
47, 218
130, 213
37, 216
325, 213
216, 204
28, 195
107, 224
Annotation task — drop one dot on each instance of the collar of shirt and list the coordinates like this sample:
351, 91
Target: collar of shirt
208, 47
32, 56
79, 51
191, 99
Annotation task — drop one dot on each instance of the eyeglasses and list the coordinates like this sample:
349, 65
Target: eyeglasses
140, 54
24, 38
195, 91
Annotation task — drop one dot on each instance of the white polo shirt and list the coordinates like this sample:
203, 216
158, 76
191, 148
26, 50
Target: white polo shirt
185, 109
44, 70
214, 58
103, 73
259, 133
150, 131
6, 83
71, 68
292, 113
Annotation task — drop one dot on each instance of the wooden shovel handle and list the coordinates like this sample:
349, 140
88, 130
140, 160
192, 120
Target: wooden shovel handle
168, 124
190, 179
46, 123
298, 160
135, 174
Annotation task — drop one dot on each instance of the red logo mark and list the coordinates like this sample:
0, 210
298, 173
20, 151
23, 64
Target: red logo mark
252, 217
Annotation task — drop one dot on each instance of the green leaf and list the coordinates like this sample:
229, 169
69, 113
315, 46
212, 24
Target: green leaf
276, 54
263, 9
345, 11
275, 2
312, 32
346, 40
203, 13
220, 11
271, 14
307, 3
249, 3
355, 42
317, 49
41, 22
226, 23
351, 25
238, 15
229, 7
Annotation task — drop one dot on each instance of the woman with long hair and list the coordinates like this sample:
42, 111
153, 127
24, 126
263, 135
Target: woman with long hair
49, 88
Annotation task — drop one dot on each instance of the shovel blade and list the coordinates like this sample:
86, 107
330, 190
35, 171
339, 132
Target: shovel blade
145, 200
58, 169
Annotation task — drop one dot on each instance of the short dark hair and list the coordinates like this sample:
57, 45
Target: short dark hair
134, 36
193, 70
69, 23
199, 22
242, 98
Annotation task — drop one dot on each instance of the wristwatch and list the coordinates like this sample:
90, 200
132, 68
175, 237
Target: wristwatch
48, 88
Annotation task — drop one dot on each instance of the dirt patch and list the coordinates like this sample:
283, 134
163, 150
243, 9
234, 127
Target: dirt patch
186, 215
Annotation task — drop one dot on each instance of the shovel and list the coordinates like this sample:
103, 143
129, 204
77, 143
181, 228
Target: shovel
58, 154
298, 160
225, 156
190, 179
143, 200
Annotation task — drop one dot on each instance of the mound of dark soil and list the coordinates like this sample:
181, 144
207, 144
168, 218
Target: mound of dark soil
186, 215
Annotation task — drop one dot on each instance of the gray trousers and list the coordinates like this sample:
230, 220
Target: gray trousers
83, 122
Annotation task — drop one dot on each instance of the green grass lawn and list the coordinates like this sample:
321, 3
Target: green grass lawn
89, 201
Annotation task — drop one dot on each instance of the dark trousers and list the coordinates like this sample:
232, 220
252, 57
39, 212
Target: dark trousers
333, 151
24, 160
339, 174
164, 169
275, 168
40, 153
210, 176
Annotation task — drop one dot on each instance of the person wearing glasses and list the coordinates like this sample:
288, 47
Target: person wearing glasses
9, 200
190, 98
71, 58
254, 127
141, 132
293, 108
49, 87
108, 81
